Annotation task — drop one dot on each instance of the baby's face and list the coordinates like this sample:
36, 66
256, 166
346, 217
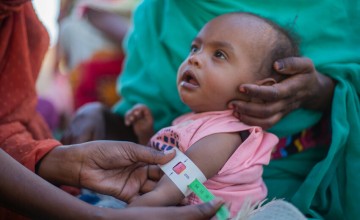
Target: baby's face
225, 54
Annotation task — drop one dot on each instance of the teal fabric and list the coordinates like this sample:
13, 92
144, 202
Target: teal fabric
323, 183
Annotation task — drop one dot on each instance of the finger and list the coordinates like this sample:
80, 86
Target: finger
294, 65
149, 117
260, 110
150, 155
288, 88
138, 109
263, 92
148, 186
129, 117
147, 111
155, 173
138, 113
140, 106
264, 123
203, 211
133, 198
135, 116
264, 115
128, 120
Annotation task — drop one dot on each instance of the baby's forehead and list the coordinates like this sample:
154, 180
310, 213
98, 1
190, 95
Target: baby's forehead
249, 35
241, 22
242, 28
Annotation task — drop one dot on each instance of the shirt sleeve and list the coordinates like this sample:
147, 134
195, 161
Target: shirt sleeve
255, 150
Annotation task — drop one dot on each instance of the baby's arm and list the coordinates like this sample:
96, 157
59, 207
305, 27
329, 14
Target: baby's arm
209, 154
141, 119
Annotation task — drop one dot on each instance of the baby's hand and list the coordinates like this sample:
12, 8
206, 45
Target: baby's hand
141, 119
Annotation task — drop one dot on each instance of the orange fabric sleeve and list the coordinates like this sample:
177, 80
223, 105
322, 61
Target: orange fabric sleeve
23, 44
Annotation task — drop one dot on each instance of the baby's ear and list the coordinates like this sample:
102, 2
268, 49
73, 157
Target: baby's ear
266, 82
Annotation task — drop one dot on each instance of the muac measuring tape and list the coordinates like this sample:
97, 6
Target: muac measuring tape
189, 178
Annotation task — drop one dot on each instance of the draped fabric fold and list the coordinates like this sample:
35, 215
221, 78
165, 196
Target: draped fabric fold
323, 183
23, 43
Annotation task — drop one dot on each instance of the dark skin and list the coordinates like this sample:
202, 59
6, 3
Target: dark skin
266, 105
23, 191
114, 168
305, 88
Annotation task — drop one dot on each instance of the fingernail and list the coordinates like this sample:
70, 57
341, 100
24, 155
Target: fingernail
216, 201
169, 151
279, 65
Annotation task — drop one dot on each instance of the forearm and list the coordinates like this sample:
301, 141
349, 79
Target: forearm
165, 194
61, 166
22, 190
153, 199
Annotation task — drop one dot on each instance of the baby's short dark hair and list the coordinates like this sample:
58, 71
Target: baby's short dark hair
284, 46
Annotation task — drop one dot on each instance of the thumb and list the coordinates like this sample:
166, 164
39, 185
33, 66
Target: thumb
152, 156
293, 65
209, 209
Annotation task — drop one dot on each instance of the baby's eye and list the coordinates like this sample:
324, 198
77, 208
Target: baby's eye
220, 54
194, 49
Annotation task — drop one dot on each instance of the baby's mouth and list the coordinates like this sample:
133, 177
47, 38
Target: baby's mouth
189, 80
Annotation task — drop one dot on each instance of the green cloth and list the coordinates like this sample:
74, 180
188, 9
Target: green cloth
321, 183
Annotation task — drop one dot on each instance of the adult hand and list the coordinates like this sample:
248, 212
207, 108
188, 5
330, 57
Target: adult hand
114, 168
53, 203
88, 124
305, 87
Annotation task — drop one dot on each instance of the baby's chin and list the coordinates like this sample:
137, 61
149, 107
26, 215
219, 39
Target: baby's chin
201, 109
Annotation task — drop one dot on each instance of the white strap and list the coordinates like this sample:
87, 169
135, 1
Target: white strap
182, 171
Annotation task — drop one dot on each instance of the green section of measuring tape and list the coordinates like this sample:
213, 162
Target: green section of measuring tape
205, 195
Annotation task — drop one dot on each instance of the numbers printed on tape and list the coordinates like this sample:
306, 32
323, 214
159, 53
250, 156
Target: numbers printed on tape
205, 195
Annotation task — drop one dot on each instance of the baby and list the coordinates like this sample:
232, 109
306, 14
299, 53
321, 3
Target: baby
230, 50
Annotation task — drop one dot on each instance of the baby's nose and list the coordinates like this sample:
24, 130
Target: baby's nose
194, 59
